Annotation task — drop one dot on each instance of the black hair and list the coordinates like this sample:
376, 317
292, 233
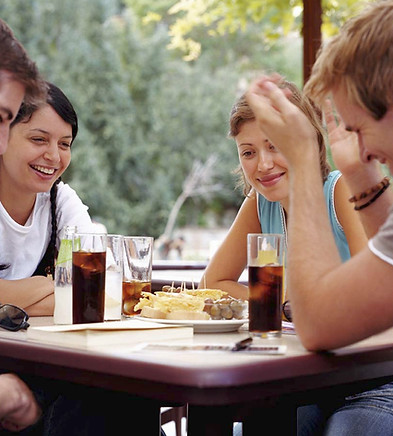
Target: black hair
63, 107
58, 101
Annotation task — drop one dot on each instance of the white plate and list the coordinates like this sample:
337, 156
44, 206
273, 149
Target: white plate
204, 326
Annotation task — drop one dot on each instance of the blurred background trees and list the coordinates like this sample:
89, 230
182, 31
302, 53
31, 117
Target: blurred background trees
148, 116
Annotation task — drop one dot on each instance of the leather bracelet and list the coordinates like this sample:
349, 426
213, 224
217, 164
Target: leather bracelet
384, 182
377, 195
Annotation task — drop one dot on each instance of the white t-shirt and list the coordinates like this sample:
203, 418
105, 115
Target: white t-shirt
24, 246
382, 243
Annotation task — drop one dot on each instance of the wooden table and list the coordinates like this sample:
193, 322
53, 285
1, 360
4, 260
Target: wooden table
219, 387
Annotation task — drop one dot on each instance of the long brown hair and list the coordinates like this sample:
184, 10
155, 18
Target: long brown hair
242, 113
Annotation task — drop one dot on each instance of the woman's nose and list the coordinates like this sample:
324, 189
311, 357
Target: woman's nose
52, 153
265, 162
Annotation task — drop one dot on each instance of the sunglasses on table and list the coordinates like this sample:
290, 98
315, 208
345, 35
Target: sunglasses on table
13, 318
286, 309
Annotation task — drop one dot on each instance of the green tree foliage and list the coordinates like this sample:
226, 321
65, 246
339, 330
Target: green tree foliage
145, 115
276, 18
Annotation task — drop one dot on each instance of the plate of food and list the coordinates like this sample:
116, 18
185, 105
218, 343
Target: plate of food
207, 310
204, 326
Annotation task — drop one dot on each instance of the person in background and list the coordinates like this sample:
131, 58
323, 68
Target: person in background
265, 177
19, 79
355, 69
34, 203
18, 406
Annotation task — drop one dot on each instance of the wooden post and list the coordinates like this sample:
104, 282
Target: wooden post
312, 21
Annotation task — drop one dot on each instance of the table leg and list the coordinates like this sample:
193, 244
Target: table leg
209, 421
83, 410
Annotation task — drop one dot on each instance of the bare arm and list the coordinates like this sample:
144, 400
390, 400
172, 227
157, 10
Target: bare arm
334, 304
18, 407
44, 307
358, 175
35, 294
349, 218
230, 259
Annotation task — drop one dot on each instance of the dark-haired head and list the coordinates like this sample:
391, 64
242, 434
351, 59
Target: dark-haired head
58, 101
63, 107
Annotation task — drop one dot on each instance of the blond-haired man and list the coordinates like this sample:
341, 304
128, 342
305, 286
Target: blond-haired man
335, 304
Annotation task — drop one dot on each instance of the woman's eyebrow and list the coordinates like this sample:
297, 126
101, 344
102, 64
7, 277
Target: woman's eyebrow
245, 143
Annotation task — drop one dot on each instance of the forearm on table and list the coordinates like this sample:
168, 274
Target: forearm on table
232, 286
234, 289
44, 307
330, 299
25, 292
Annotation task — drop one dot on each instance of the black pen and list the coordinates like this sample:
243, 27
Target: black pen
243, 344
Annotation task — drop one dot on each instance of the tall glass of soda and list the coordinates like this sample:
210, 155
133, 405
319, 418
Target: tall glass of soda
88, 277
265, 260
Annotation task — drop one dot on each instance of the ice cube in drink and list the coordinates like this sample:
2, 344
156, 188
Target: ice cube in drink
266, 257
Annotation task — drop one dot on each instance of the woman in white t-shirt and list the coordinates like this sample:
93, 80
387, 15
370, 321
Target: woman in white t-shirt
34, 204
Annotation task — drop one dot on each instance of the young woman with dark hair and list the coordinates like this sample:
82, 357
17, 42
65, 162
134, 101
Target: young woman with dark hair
34, 203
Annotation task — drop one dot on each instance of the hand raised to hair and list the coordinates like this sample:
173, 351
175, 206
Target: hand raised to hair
286, 126
343, 143
344, 146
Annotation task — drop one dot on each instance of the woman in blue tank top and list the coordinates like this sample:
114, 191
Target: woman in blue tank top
264, 176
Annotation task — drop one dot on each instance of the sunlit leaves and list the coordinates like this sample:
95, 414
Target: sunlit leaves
276, 17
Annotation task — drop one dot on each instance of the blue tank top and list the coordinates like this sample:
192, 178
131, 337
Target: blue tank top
272, 218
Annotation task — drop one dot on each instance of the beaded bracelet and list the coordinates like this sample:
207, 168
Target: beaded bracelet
377, 195
384, 182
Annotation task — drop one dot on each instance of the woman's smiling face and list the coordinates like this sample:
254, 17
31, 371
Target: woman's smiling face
264, 167
39, 151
